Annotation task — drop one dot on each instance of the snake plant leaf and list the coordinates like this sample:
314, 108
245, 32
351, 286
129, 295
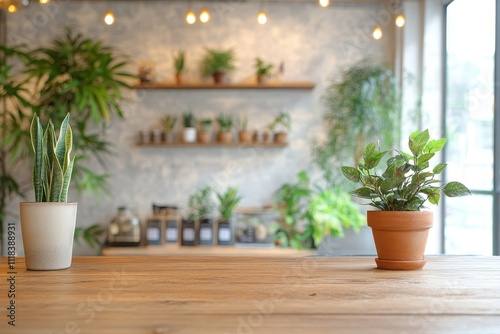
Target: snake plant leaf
68, 146
67, 180
36, 141
57, 179
61, 141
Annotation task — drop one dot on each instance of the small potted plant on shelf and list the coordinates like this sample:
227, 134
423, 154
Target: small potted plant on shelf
48, 224
280, 126
227, 205
168, 126
244, 135
225, 124
262, 70
189, 134
200, 207
179, 65
217, 63
399, 227
205, 133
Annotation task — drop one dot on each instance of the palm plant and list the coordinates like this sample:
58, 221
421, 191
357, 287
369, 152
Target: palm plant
227, 202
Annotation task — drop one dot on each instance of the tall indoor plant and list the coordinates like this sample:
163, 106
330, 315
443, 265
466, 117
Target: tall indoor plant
217, 63
399, 193
48, 224
227, 203
362, 107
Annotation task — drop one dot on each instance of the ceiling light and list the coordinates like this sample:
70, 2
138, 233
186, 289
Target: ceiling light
44, 2
12, 8
262, 17
377, 33
324, 3
190, 17
204, 16
109, 18
400, 21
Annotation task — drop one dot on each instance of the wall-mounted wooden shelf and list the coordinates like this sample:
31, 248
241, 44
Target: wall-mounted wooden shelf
212, 144
241, 85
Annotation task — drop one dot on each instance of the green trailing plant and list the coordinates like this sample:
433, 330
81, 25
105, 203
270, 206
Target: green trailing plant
225, 122
189, 119
217, 61
407, 182
206, 124
227, 202
179, 61
362, 106
262, 68
53, 163
282, 122
85, 78
200, 204
169, 123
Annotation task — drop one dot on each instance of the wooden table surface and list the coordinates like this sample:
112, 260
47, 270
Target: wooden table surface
255, 295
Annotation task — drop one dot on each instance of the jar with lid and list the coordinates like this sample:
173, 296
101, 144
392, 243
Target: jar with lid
124, 229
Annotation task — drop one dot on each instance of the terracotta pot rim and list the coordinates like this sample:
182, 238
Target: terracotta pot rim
400, 220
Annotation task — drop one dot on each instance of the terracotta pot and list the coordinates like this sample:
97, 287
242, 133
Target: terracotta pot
400, 238
219, 77
179, 78
204, 137
225, 137
280, 137
262, 79
245, 137
170, 137
48, 229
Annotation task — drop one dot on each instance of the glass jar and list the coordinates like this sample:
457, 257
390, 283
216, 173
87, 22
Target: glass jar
124, 229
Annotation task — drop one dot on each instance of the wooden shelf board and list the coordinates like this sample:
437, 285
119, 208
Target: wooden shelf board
213, 144
241, 85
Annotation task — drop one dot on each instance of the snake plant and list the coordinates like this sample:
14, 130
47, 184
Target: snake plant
53, 162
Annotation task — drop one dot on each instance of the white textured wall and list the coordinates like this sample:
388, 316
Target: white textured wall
313, 43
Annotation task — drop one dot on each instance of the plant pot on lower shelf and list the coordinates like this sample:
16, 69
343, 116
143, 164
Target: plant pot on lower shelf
280, 137
400, 238
225, 137
245, 137
189, 135
204, 137
48, 229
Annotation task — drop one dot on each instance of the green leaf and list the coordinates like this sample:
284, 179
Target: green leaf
351, 173
369, 149
422, 161
374, 159
36, 142
363, 192
435, 145
439, 168
456, 189
417, 142
61, 145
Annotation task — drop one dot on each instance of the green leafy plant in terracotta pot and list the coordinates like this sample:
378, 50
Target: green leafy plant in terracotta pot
262, 70
244, 135
280, 126
217, 63
399, 192
48, 224
205, 133
168, 123
179, 66
225, 125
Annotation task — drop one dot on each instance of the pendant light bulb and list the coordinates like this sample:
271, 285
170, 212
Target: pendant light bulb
262, 17
190, 17
109, 18
377, 33
324, 3
12, 8
400, 21
44, 2
204, 16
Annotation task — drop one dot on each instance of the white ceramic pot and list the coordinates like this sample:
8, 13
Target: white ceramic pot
48, 229
189, 135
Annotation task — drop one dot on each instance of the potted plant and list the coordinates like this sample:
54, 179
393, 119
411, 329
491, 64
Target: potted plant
399, 193
179, 64
363, 106
280, 126
200, 207
205, 133
244, 135
48, 224
217, 63
225, 124
262, 71
189, 132
168, 126
227, 204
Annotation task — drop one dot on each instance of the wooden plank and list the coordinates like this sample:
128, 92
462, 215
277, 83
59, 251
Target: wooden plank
213, 144
258, 295
238, 85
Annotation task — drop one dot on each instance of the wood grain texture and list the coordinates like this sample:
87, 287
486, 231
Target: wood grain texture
257, 295
214, 144
238, 85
